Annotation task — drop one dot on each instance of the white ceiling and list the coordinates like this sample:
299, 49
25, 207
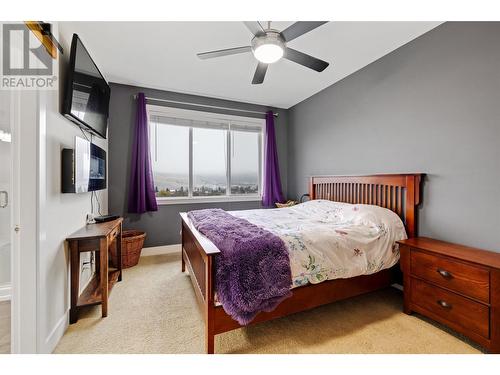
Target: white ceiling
162, 55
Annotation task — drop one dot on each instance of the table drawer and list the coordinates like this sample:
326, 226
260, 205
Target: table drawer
463, 278
468, 314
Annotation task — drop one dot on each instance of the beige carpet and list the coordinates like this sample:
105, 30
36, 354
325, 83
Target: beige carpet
153, 310
4, 327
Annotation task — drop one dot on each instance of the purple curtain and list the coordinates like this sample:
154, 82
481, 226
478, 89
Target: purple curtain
141, 196
272, 183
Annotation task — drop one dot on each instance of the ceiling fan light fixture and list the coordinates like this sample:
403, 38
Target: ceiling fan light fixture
268, 48
270, 45
268, 53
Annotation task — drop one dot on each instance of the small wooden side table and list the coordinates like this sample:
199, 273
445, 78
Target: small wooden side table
98, 238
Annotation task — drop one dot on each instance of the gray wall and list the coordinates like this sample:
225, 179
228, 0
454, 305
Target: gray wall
163, 226
431, 106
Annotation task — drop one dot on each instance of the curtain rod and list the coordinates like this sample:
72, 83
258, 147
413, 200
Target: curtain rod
205, 106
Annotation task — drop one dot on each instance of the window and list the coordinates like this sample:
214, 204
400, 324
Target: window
170, 159
205, 156
245, 161
209, 162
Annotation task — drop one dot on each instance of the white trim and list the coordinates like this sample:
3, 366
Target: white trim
5, 292
215, 199
15, 256
43, 100
56, 334
161, 250
25, 182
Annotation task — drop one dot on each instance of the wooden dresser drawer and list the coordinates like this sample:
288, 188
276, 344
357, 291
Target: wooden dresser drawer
456, 285
468, 314
469, 280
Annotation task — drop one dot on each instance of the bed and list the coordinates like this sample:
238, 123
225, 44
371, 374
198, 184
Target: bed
399, 193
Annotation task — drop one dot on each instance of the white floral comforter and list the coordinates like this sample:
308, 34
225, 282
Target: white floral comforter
330, 240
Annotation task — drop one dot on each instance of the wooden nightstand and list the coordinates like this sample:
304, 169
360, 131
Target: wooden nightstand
455, 285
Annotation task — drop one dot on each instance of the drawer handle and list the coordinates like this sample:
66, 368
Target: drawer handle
445, 274
444, 304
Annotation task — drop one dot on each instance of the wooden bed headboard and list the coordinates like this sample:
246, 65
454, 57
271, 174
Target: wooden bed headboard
397, 192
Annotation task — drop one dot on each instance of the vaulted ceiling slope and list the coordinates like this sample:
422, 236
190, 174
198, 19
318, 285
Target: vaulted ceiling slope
162, 55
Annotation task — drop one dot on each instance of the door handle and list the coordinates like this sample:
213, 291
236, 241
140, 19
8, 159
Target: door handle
5, 201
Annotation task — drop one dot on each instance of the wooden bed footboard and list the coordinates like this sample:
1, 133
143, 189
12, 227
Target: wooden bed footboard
198, 257
400, 193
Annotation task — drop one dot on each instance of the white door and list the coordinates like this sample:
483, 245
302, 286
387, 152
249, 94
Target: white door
19, 145
5, 220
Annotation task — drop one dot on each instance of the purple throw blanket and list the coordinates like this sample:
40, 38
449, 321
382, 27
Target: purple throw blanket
253, 268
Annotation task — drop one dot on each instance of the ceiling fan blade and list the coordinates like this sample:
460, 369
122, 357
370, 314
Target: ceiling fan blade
260, 73
305, 60
224, 52
255, 27
300, 28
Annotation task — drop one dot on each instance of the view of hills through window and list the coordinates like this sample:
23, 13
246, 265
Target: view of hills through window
245, 159
170, 161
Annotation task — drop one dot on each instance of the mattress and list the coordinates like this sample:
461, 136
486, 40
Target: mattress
329, 240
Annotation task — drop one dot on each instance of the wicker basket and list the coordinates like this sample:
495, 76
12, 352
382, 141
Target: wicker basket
132, 242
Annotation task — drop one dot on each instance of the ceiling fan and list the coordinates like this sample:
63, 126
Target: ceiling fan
269, 45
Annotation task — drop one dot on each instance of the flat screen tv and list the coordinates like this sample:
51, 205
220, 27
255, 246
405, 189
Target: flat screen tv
86, 100
83, 168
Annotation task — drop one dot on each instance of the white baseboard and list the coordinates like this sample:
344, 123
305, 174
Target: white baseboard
5, 292
55, 335
161, 250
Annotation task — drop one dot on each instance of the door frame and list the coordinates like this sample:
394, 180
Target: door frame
24, 224
28, 127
